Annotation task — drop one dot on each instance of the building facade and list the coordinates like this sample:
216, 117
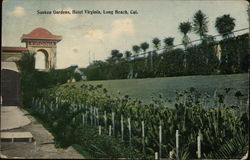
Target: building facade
38, 40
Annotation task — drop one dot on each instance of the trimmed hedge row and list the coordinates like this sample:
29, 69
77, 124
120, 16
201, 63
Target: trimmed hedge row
202, 59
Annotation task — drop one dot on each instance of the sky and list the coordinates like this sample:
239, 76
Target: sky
92, 37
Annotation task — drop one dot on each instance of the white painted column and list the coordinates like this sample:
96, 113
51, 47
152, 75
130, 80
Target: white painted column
143, 135
113, 122
177, 144
122, 129
160, 140
100, 130
129, 128
109, 130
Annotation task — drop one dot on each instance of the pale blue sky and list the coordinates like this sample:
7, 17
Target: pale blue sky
97, 35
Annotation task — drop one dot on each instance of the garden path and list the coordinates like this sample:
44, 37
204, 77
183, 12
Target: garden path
42, 147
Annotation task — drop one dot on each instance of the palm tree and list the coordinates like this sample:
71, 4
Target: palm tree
128, 55
136, 49
200, 22
119, 56
169, 43
116, 55
144, 46
27, 62
185, 28
225, 25
156, 42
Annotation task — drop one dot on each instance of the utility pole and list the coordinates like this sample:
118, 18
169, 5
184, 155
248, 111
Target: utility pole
89, 57
93, 56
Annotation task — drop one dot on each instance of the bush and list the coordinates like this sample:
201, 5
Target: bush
234, 56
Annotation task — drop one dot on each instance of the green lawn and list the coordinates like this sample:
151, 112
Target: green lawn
144, 89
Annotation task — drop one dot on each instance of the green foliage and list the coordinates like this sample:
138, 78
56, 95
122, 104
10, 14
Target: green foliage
128, 55
100, 70
171, 64
97, 70
156, 42
232, 148
32, 80
225, 25
77, 76
115, 56
144, 46
219, 127
169, 43
136, 49
200, 23
234, 57
200, 60
185, 27
67, 131
27, 67
27, 62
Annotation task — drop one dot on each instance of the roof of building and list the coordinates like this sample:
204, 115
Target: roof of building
40, 33
14, 49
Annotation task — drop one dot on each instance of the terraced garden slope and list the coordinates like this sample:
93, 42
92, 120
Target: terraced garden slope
144, 89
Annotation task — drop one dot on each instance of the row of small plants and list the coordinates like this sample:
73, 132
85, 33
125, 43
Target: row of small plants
109, 126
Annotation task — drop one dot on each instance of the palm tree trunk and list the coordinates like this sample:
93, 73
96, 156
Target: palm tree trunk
145, 57
130, 71
185, 61
151, 61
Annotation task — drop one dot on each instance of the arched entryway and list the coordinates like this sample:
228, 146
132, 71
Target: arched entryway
42, 59
42, 40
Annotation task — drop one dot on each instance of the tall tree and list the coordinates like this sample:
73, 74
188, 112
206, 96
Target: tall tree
200, 22
128, 55
114, 53
144, 46
185, 28
136, 49
156, 42
116, 56
225, 25
169, 43
27, 62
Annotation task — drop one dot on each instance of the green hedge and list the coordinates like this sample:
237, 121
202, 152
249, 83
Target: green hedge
234, 55
200, 60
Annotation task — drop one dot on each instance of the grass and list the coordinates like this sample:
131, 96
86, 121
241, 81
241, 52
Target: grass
144, 89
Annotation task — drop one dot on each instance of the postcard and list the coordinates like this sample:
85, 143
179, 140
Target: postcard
142, 79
